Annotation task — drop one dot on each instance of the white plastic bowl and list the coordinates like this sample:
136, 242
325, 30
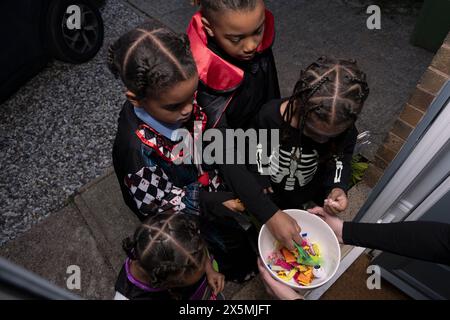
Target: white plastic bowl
318, 232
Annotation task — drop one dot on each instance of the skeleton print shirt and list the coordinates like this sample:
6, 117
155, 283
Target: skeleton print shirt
292, 167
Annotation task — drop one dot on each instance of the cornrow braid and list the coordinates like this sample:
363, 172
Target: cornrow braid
332, 90
168, 247
150, 60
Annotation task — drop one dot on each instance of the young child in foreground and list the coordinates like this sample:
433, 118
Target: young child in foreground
168, 259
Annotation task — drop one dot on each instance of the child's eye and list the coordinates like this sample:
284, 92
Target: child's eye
235, 40
173, 106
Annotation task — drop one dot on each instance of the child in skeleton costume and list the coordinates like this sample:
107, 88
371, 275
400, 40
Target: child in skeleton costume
317, 135
160, 75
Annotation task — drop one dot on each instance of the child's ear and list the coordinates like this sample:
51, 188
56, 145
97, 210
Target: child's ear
207, 27
132, 98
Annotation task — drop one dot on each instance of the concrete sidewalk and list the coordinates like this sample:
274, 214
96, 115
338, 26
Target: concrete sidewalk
88, 233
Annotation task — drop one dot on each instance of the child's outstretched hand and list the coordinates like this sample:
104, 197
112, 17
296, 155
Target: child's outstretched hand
215, 279
336, 201
285, 229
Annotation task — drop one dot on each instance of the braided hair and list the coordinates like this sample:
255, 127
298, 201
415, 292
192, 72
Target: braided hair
329, 90
151, 60
168, 247
209, 6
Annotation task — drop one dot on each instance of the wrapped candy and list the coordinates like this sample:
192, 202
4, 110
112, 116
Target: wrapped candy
302, 265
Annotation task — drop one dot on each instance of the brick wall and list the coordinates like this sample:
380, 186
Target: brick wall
429, 85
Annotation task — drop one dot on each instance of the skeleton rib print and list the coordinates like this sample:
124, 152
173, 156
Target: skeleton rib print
299, 167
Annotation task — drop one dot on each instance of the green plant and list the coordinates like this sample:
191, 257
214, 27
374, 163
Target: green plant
359, 167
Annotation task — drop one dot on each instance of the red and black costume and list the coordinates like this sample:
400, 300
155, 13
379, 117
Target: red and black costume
231, 93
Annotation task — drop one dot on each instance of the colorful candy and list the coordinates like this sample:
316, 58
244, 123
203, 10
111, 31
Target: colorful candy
303, 265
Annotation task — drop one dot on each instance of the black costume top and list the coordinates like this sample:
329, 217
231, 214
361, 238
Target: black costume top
301, 169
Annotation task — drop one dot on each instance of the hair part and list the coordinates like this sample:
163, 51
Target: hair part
168, 247
214, 6
332, 90
150, 60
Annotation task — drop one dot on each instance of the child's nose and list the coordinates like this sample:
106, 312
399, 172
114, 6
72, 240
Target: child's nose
187, 109
250, 46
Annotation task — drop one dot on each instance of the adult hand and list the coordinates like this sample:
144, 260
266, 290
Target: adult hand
335, 223
336, 201
275, 288
285, 229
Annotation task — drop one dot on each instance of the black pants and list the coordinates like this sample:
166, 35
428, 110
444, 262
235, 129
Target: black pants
230, 236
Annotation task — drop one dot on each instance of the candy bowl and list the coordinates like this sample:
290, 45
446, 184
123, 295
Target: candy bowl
313, 262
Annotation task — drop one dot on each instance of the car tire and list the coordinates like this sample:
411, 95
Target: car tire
69, 42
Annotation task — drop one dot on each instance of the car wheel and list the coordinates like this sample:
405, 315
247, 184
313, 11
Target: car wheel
79, 42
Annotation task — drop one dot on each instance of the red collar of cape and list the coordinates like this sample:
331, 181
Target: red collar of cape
214, 71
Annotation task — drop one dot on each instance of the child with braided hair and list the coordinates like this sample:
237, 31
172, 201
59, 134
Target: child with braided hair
160, 76
318, 135
168, 259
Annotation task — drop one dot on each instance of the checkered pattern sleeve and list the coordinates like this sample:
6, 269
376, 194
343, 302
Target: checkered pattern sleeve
152, 191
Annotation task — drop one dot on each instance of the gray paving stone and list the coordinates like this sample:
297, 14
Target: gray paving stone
62, 240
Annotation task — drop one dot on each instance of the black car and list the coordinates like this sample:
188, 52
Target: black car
36, 31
